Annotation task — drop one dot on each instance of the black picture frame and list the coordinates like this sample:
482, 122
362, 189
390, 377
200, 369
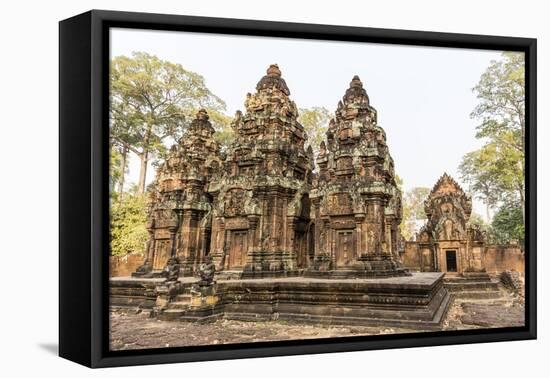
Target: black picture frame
83, 180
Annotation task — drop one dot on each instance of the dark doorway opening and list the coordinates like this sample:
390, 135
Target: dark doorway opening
451, 261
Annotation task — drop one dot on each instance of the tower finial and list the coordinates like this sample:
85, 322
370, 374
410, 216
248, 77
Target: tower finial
202, 114
274, 70
356, 82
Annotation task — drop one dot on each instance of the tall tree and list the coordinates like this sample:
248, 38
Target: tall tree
315, 121
413, 211
479, 170
508, 224
501, 95
224, 133
119, 167
151, 101
115, 163
127, 230
496, 172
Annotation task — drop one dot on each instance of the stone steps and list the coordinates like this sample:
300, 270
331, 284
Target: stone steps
183, 298
180, 302
171, 314
472, 285
477, 294
458, 286
178, 305
485, 277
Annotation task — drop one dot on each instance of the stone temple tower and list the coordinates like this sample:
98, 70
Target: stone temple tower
356, 202
179, 219
261, 212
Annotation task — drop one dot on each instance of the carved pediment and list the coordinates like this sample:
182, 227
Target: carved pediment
234, 203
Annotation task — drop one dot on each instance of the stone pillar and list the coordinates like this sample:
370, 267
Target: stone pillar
359, 218
185, 237
388, 238
150, 251
394, 240
252, 227
172, 231
226, 247
332, 243
216, 245
290, 234
204, 234
317, 230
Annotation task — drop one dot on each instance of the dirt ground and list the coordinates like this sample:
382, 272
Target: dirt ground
138, 330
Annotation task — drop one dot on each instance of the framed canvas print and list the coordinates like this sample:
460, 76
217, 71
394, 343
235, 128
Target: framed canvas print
235, 188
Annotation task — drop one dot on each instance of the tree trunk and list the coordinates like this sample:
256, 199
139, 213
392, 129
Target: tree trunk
488, 212
144, 160
124, 155
143, 171
522, 203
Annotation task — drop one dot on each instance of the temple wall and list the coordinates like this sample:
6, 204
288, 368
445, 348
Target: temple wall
124, 266
495, 258
411, 256
498, 258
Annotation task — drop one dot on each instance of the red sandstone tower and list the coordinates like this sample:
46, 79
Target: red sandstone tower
261, 212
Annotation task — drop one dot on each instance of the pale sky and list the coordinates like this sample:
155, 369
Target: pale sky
423, 95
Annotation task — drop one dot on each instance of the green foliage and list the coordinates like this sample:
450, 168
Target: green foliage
315, 121
128, 219
501, 95
399, 182
224, 133
115, 162
152, 101
496, 172
508, 224
476, 219
413, 211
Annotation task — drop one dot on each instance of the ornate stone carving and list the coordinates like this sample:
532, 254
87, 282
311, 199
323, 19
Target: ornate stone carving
357, 191
171, 270
448, 230
265, 181
448, 210
206, 272
179, 208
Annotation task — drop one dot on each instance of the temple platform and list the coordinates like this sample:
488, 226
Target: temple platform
419, 301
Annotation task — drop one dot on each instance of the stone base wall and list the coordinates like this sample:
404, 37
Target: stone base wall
133, 293
124, 266
419, 301
495, 258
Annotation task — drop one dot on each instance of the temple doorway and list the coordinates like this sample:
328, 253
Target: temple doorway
311, 243
301, 249
450, 257
237, 252
162, 253
345, 248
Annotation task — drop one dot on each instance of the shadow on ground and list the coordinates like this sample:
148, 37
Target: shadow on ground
51, 348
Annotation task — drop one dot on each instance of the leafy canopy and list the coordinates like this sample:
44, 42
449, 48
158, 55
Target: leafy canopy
128, 219
315, 121
496, 172
152, 101
413, 211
